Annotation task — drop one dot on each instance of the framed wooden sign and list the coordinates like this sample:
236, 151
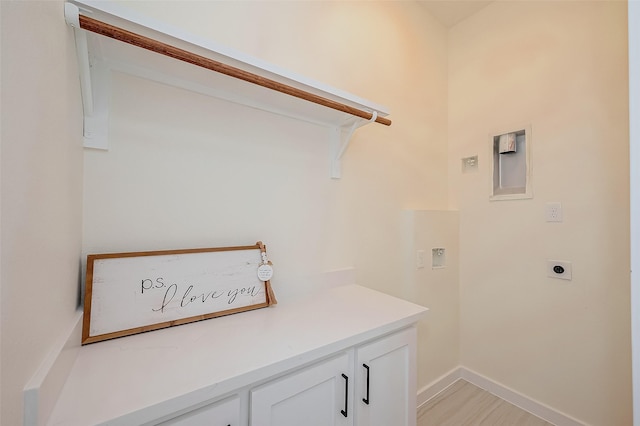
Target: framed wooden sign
129, 293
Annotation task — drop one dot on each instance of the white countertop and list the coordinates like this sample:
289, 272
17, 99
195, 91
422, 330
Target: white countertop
122, 379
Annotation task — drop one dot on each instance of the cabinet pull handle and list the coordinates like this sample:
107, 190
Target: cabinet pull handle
346, 395
366, 400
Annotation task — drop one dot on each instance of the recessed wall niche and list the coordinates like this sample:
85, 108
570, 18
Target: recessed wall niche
511, 160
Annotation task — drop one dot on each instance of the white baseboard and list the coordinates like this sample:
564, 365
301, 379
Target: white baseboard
519, 400
438, 385
41, 392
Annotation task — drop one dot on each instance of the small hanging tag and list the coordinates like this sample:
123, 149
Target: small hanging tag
265, 270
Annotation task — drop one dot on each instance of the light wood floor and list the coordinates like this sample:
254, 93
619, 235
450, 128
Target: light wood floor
464, 404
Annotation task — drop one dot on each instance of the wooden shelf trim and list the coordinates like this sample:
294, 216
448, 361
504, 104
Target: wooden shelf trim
116, 33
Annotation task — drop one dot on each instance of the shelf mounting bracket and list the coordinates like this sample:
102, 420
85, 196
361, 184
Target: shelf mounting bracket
342, 138
94, 85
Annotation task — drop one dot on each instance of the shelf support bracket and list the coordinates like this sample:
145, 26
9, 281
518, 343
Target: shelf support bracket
94, 85
342, 138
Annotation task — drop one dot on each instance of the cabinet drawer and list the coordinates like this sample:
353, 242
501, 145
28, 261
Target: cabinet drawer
221, 413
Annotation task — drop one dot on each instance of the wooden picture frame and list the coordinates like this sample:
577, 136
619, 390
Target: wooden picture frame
130, 293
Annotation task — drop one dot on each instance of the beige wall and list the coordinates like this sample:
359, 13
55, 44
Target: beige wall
561, 67
41, 175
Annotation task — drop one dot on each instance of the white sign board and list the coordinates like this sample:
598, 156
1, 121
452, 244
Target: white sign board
128, 293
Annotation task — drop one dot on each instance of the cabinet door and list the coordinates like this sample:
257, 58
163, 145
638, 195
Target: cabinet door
222, 413
386, 381
319, 395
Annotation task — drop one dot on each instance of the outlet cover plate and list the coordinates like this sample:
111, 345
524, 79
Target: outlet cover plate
553, 212
470, 164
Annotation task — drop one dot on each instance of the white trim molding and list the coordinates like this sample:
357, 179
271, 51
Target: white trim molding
519, 400
41, 392
438, 385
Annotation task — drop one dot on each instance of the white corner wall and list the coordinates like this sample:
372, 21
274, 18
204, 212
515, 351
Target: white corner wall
436, 288
561, 67
40, 193
186, 170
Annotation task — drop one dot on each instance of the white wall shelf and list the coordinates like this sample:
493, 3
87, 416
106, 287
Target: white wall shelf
111, 38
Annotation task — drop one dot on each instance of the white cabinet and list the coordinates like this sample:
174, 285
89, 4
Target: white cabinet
280, 366
315, 396
378, 389
386, 383
222, 413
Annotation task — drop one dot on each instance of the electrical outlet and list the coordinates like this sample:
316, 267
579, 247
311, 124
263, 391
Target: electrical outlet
420, 258
559, 269
553, 212
470, 164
